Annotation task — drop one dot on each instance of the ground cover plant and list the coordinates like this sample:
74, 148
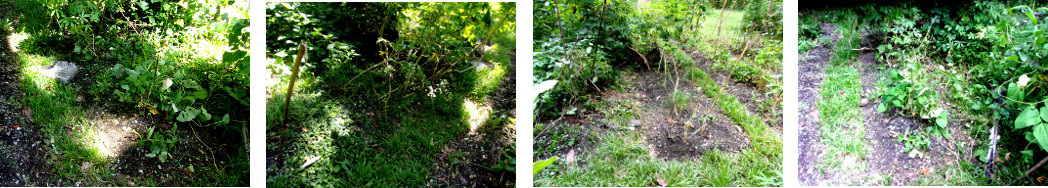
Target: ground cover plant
658, 93
160, 97
390, 94
921, 93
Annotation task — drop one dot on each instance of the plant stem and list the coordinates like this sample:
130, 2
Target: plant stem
1035, 167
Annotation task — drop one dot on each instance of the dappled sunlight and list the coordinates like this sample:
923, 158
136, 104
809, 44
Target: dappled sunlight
15, 39
111, 134
31, 65
478, 114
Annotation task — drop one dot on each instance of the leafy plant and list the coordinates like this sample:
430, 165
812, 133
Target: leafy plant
161, 144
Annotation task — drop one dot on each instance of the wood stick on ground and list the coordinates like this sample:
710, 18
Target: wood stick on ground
291, 84
1035, 167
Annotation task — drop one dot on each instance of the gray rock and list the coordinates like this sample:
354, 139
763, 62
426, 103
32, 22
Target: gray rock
62, 71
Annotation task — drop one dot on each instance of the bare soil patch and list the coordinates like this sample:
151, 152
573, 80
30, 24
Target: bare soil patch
811, 72
669, 132
21, 146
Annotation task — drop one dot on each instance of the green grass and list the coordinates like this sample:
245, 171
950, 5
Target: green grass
622, 160
54, 107
840, 119
730, 28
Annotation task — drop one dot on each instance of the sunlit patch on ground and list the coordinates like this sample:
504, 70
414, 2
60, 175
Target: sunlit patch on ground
14, 39
114, 134
478, 114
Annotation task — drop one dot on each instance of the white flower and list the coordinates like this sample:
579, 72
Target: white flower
1023, 81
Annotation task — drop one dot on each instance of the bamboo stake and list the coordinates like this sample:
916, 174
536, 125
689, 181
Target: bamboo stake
294, 75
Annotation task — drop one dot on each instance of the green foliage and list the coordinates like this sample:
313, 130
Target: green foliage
809, 28
916, 140
765, 17
165, 67
508, 161
160, 143
576, 43
910, 89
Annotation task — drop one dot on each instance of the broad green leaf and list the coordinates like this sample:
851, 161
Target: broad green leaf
1041, 133
229, 57
188, 115
539, 166
204, 115
1044, 113
1015, 93
882, 107
1027, 118
225, 120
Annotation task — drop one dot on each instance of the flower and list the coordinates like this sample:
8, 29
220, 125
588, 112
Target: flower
1023, 81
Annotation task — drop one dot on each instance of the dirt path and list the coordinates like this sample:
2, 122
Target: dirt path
811, 74
482, 149
20, 143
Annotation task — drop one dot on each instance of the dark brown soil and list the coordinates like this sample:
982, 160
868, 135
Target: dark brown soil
811, 72
668, 132
21, 149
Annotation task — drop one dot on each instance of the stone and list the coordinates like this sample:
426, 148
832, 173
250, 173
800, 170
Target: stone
864, 102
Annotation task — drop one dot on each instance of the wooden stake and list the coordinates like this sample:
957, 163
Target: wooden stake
294, 75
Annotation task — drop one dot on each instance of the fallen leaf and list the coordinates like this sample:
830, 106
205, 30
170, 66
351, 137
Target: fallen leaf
671, 121
570, 159
925, 171
15, 126
661, 181
153, 111
840, 92
1040, 179
651, 151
